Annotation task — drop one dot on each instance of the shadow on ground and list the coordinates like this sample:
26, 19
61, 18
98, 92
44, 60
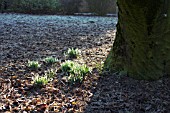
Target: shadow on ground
122, 94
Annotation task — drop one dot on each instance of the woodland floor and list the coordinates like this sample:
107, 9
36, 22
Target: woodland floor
32, 37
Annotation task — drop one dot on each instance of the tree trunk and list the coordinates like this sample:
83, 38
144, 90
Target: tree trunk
142, 44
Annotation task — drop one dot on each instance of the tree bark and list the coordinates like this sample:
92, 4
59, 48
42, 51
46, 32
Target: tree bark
142, 44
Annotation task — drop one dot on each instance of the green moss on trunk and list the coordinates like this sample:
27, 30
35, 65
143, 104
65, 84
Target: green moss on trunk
142, 45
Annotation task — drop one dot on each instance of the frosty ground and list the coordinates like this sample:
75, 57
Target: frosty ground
34, 37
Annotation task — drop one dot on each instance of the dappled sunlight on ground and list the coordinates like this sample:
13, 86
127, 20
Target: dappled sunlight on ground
27, 37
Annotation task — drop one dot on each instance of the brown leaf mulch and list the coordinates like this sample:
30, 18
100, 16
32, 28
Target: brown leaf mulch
31, 37
121, 94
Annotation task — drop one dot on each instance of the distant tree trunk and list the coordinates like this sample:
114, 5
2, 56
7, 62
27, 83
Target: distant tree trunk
142, 44
102, 7
70, 6
4, 5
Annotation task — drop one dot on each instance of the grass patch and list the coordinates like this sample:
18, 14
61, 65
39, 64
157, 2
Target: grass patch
50, 60
100, 67
72, 53
50, 73
67, 66
75, 71
33, 65
40, 81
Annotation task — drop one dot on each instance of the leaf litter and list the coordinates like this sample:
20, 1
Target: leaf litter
32, 37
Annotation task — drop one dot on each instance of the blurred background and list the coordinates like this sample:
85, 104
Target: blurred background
63, 7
